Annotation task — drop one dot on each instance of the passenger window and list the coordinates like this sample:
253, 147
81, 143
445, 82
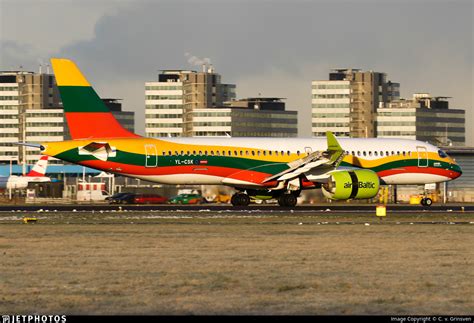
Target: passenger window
375, 153
253, 152
298, 152
370, 153
270, 152
365, 153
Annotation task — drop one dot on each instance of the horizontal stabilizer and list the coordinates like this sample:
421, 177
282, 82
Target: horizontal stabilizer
99, 150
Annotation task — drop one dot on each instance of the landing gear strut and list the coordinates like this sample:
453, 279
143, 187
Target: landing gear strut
287, 199
240, 199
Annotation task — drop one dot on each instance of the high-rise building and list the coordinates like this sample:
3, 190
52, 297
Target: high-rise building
23, 96
347, 103
423, 118
171, 102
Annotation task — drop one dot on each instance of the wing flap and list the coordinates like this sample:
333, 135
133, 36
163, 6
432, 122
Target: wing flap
315, 165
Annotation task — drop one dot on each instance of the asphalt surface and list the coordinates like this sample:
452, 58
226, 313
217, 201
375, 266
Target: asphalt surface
345, 208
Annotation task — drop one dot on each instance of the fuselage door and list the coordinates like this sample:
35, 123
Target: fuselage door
422, 156
151, 158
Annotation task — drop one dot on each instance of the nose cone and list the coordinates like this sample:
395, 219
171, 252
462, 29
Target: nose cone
456, 169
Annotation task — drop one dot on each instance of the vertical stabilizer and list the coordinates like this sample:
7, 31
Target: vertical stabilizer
39, 169
86, 114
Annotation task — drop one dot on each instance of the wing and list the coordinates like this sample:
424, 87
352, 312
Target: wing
316, 166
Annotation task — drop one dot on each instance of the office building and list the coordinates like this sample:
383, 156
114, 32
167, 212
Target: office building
250, 117
347, 103
23, 96
172, 101
262, 117
125, 118
424, 118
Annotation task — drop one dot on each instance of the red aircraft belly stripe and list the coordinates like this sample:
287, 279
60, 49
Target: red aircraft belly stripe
417, 170
246, 175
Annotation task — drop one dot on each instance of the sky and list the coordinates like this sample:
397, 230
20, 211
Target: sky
271, 48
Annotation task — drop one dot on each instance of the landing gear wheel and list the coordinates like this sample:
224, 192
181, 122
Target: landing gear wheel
426, 201
287, 200
240, 199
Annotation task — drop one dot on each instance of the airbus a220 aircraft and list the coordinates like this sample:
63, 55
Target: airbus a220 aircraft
37, 175
343, 168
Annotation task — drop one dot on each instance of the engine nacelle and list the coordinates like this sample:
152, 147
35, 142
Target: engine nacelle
354, 184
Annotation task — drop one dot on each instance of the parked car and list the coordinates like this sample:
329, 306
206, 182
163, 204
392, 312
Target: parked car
187, 199
115, 196
149, 199
121, 198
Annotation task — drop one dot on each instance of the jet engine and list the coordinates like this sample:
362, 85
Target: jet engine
353, 184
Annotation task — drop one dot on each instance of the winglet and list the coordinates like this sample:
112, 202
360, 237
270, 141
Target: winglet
334, 148
333, 144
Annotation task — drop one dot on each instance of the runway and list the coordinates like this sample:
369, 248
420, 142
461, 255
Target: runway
337, 208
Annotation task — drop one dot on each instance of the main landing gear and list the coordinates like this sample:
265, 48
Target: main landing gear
240, 199
287, 199
284, 199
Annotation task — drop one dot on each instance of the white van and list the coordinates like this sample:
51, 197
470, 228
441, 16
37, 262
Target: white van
91, 192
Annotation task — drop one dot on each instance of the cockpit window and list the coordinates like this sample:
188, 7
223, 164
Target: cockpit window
442, 154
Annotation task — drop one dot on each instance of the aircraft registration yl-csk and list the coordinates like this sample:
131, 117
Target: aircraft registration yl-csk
344, 168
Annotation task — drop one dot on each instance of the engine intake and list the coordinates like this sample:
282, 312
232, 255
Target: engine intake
356, 184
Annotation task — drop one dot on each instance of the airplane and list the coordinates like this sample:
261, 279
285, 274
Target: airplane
344, 168
37, 175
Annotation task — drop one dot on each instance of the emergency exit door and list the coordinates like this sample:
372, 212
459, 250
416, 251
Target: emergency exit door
151, 158
422, 156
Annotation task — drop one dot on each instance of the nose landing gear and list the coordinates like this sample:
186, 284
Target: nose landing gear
426, 201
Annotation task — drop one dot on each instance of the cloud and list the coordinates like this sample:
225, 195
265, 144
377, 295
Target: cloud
278, 47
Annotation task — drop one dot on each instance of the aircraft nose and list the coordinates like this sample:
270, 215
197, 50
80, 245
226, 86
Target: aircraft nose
457, 170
